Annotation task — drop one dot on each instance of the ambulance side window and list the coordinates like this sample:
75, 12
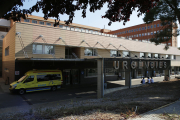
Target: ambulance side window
29, 79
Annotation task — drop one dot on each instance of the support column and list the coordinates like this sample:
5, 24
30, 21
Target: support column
167, 73
128, 78
100, 78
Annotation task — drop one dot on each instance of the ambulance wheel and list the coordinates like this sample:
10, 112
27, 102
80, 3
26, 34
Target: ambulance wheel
53, 88
21, 91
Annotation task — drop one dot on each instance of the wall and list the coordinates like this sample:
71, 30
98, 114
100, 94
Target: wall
5, 23
74, 39
8, 66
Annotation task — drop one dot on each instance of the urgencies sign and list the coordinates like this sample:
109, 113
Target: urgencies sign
140, 64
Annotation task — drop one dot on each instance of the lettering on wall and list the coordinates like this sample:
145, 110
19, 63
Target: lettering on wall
134, 64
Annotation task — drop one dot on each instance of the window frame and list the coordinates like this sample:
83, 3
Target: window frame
34, 21
40, 22
43, 49
94, 52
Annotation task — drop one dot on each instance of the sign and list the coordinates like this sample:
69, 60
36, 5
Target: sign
16, 72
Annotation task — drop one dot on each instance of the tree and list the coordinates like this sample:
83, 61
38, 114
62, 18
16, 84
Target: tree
168, 12
118, 10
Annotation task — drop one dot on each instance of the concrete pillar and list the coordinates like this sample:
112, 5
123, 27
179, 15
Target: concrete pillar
128, 78
167, 73
100, 78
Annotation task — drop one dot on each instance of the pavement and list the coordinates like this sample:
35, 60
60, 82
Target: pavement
172, 108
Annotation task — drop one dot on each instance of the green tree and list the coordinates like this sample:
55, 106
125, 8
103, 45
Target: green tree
168, 12
117, 10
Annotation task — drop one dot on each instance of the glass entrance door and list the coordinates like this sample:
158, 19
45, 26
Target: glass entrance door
75, 76
67, 77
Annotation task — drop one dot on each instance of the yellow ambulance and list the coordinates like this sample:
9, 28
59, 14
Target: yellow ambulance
38, 80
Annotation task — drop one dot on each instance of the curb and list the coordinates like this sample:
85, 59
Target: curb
159, 108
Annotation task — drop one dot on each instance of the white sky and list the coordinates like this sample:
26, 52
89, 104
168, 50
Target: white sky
94, 19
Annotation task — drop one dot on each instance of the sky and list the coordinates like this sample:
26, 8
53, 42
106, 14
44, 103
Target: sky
94, 19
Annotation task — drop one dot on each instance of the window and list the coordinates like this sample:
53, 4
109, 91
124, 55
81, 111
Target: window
129, 36
151, 33
48, 49
155, 55
49, 24
145, 34
72, 28
90, 72
134, 35
26, 20
113, 53
34, 21
82, 30
139, 29
158, 31
7, 51
87, 31
149, 55
48, 77
43, 49
148, 27
29, 79
145, 28
139, 35
142, 28
129, 31
61, 26
154, 32
142, 34
142, 55
40, 22
151, 26
169, 44
125, 54
37, 49
126, 31
155, 26
134, 30
90, 52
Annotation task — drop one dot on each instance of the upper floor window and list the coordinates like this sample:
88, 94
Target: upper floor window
142, 28
72, 28
43, 49
149, 55
156, 55
34, 21
151, 26
155, 26
114, 53
139, 35
145, 34
49, 24
40, 22
151, 33
129, 31
26, 20
139, 29
126, 54
134, 30
90, 52
142, 34
148, 27
142, 55
7, 51
126, 31
61, 26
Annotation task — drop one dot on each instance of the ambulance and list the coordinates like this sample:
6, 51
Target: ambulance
37, 80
